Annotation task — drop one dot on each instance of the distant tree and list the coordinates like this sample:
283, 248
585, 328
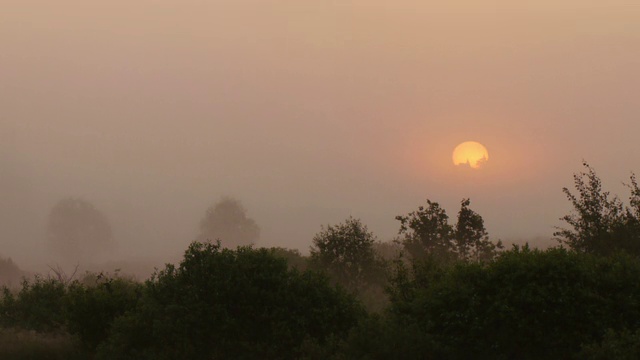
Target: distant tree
346, 252
227, 221
10, 273
77, 230
600, 223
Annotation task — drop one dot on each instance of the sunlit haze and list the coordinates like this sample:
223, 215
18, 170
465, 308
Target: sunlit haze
308, 112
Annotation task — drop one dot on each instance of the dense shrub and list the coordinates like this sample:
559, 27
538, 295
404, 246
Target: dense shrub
619, 345
221, 303
527, 304
48, 305
39, 305
91, 308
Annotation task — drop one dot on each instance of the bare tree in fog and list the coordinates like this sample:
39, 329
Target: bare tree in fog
77, 230
227, 221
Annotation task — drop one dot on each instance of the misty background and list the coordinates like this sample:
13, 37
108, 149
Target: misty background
307, 112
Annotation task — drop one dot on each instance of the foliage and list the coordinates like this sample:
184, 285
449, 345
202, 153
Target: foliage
346, 252
221, 303
427, 232
526, 304
77, 230
622, 345
227, 221
294, 258
39, 305
470, 236
50, 305
600, 223
91, 308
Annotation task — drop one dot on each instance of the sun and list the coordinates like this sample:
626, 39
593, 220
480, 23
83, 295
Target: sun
470, 153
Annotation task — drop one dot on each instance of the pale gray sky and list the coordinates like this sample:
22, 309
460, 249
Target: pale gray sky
308, 112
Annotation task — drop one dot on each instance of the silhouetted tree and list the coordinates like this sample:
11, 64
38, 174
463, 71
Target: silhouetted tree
600, 223
471, 238
77, 230
227, 221
346, 252
426, 231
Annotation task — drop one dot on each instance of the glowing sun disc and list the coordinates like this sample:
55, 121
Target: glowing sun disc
470, 153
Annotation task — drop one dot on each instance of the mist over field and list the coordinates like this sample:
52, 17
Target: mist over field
307, 113
387, 179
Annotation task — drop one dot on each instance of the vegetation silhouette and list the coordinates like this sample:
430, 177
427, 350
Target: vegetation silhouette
600, 223
76, 230
227, 221
440, 291
427, 232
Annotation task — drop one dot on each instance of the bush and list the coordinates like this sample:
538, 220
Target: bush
92, 308
39, 305
222, 303
527, 304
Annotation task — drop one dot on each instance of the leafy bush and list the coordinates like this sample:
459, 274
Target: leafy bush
527, 304
623, 345
39, 305
222, 303
92, 308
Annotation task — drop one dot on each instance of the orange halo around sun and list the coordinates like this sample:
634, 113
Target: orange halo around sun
470, 153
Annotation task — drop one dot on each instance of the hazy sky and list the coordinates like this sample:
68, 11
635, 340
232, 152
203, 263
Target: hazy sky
308, 112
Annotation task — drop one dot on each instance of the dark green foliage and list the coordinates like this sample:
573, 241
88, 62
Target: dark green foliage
39, 305
238, 304
622, 345
527, 304
383, 337
427, 232
53, 306
294, 258
91, 308
600, 223
345, 251
470, 236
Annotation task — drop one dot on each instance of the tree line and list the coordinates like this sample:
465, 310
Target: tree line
441, 291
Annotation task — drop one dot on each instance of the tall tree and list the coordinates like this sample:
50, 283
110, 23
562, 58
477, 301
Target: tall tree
471, 238
426, 231
227, 221
76, 230
600, 223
